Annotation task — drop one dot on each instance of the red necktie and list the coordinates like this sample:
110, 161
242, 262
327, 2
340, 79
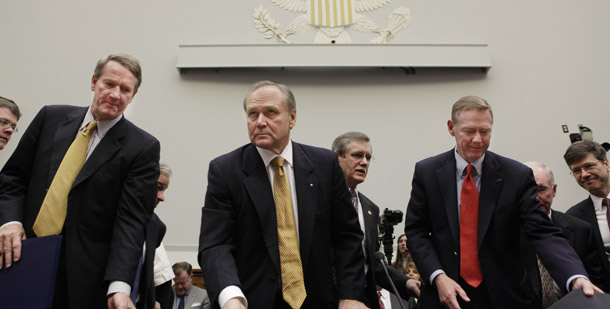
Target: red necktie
470, 269
606, 202
381, 305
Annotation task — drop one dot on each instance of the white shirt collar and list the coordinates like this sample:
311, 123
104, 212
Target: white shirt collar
597, 202
102, 126
268, 155
461, 164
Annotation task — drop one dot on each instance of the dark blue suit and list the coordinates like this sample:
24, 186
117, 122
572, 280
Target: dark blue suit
238, 244
600, 274
507, 202
109, 204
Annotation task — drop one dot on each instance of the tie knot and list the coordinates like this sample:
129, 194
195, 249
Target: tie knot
278, 161
90, 127
469, 169
352, 193
606, 202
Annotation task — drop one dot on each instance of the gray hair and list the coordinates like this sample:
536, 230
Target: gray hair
470, 102
128, 61
549, 172
341, 143
11, 105
164, 168
289, 100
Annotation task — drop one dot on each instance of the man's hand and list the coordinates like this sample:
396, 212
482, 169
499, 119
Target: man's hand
234, 303
350, 303
10, 244
413, 286
120, 301
448, 291
157, 305
586, 286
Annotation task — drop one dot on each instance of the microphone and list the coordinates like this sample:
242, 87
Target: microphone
381, 257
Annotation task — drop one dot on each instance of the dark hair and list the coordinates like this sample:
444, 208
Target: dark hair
580, 149
182, 266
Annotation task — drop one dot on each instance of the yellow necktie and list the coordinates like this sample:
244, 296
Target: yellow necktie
52, 215
293, 285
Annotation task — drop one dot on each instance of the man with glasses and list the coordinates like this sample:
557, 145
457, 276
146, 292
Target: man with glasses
577, 231
354, 152
589, 166
188, 295
9, 115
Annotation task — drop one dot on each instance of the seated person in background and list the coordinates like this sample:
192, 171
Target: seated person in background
9, 115
403, 256
186, 294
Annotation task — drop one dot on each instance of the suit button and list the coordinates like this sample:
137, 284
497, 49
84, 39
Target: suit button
454, 253
272, 279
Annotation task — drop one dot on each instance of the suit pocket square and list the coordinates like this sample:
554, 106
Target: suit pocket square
196, 305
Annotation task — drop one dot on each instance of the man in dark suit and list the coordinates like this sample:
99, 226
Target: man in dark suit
110, 201
464, 217
577, 231
589, 165
157, 274
9, 115
354, 152
239, 246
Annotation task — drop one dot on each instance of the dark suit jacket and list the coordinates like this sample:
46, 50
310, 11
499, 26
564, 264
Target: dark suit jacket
376, 275
579, 234
155, 231
600, 272
238, 244
109, 204
507, 202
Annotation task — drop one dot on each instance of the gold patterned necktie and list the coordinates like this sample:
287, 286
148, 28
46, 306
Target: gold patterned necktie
52, 215
293, 284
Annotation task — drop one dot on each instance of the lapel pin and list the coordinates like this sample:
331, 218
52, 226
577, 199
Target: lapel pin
311, 185
370, 213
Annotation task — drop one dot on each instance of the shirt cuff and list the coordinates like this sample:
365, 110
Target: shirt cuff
119, 286
231, 291
569, 282
11, 222
434, 274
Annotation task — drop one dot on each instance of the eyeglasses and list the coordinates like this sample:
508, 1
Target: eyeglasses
360, 155
589, 167
5, 124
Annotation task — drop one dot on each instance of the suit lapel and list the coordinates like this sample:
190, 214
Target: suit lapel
260, 192
306, 184
491, 182
108, 146
64, 136
370, 224
446, 177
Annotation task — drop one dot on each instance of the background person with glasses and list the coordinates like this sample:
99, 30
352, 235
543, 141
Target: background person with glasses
9, 115
589, 165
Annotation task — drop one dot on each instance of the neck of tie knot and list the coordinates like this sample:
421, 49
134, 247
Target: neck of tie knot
469, 169
278, 163
90, 128
606, 202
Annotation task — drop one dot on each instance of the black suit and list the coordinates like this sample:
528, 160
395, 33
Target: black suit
580, 236
376, 275
507, 202
238, 244
600, 274
109, 204
155, 231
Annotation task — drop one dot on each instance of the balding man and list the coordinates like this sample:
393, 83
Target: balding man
577, 231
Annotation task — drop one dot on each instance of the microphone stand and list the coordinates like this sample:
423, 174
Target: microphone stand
381, 256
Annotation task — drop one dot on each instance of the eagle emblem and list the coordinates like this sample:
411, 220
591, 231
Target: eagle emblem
331, 18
